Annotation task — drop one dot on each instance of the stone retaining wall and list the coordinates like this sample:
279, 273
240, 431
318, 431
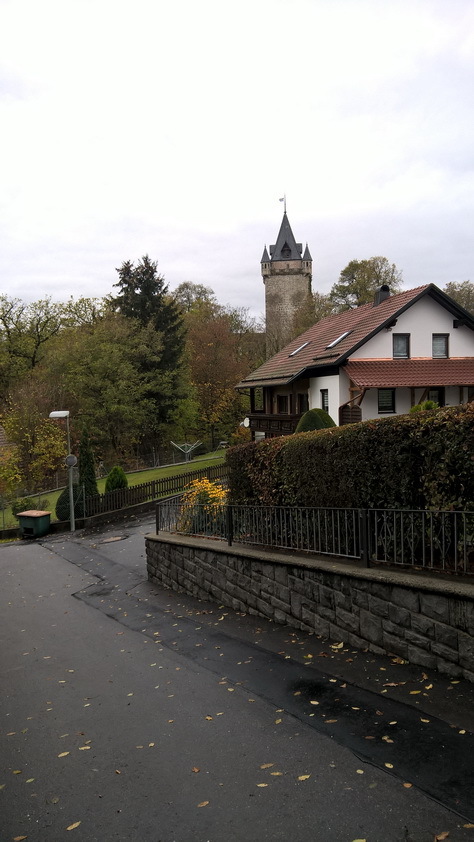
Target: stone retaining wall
426, 620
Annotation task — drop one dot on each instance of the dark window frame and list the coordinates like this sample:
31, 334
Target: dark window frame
438, 336
404, 354
283, 400
386, 408
324, 394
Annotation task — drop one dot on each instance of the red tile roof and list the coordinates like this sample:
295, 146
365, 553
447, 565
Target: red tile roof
391, 373
359, 324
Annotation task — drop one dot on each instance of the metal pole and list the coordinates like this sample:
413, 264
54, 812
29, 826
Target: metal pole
72, 521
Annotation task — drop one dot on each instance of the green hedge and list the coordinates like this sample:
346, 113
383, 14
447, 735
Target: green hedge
423, 460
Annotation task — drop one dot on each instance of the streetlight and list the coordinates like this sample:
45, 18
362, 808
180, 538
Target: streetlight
70, 462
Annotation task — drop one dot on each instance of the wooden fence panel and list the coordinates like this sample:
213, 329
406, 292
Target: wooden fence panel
149, 491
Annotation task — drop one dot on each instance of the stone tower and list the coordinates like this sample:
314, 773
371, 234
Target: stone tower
286, 274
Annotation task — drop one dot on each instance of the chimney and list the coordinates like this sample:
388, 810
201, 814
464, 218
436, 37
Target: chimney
381, 294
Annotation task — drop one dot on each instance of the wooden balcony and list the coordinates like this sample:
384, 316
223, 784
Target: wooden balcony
273, 425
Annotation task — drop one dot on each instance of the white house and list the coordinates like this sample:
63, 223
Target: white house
376, 360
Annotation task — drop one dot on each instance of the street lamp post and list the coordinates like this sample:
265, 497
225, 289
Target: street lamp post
70, 462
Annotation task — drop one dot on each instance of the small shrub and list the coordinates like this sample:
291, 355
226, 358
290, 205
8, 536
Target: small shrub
62, 504
117, 478
22, 504
422, 407
314, 419
202, 507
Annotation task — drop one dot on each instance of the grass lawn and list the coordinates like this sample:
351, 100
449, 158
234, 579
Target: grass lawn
47, 500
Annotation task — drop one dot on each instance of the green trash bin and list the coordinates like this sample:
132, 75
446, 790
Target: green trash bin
34, 523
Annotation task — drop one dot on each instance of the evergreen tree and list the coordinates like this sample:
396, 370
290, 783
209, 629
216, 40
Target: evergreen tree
143, 295
87, 466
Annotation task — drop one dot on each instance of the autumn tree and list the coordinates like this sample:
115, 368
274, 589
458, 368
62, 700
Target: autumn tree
463, 294
39, 443
316, 307
25, 330
360, 280
188, 296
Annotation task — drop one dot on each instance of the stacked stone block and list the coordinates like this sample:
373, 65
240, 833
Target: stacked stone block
424, 621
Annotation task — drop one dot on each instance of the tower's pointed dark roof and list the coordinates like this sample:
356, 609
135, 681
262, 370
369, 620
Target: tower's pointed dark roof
286, 247
265, 257
307, 255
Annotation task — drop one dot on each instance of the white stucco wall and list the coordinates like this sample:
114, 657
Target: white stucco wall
424, 318
331, 383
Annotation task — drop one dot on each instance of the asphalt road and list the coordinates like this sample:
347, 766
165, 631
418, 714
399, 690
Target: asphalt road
129, 712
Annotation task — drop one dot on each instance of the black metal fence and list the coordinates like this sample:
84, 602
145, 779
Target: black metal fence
149, 491
436, 540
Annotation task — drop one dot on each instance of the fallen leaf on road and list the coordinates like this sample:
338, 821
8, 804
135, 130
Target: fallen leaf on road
360, 771
208, 717
462, 732
337, 645
359, 840
17, 771
398, 661
63, 754
407, 785
277, 721
330, 721
388, 765
262, 784
85, 748
428, 687
73, 826
266, 765
276, 773
314, 703
303, 777
19, 838
424, 720
298, 693
195, 769
469, 825
441, 836
30, 780
414, 692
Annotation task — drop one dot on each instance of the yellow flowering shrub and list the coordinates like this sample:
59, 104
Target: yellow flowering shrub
202, 507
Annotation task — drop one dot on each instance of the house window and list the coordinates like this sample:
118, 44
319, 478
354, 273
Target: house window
325, 400
436, 394
303, 404
440, 345
386, 401
282, 404
401, 346
258, 400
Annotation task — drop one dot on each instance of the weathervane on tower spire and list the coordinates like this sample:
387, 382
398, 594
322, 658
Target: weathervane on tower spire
283, 199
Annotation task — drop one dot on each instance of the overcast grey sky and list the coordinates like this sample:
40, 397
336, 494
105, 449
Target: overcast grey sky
172, 129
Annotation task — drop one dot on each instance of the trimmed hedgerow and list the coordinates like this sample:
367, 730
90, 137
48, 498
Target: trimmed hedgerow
423, 460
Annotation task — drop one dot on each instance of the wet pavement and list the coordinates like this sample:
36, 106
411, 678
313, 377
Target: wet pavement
149, 693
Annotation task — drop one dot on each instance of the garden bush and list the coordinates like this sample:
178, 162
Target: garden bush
117, 478
62, 503
22, 504
415, 461
314, 419
423, 407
